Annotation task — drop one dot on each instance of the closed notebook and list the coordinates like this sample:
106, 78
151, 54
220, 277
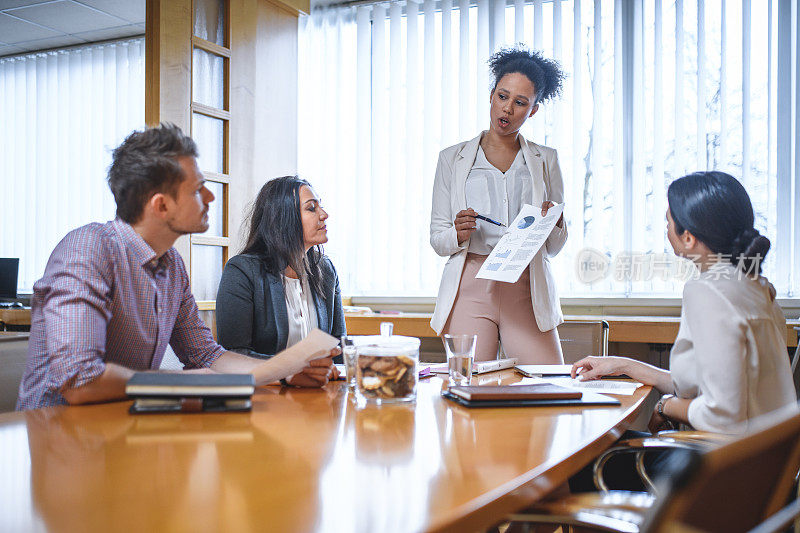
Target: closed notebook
190, 393
158, 384
539, 391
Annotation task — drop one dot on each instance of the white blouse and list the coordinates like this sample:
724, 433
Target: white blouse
730, 353
299, 308
496, 195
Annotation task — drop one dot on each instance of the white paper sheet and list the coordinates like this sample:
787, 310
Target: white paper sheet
544, 370
607, 386
290, 361
515, 250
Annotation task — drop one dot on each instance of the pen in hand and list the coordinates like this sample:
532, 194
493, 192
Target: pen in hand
487, 219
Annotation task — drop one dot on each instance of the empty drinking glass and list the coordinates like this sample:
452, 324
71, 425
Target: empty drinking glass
460, 356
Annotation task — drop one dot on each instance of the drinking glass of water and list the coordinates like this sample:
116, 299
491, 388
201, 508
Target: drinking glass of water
349, 353
460, 355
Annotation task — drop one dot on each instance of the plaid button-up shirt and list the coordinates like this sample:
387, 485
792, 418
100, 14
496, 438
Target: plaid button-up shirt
105, 298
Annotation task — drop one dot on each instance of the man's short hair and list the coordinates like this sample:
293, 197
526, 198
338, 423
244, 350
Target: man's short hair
146, 163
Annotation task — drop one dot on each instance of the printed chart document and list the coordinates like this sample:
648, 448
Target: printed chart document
293, 359
515, 250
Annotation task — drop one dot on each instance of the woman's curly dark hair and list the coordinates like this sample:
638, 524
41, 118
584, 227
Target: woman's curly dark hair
545, 74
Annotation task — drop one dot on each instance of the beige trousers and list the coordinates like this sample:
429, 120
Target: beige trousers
501, 312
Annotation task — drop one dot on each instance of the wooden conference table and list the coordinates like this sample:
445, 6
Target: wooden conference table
302, 460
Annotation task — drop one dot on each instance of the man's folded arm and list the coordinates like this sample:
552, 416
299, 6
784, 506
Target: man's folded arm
110, 385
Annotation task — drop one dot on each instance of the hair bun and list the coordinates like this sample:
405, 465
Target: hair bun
749, 249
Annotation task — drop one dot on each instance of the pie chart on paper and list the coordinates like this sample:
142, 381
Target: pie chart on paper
526, 222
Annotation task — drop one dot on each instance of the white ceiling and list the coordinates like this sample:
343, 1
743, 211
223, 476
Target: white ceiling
28, 25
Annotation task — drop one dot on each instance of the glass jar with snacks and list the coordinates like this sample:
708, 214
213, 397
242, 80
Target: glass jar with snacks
386, 367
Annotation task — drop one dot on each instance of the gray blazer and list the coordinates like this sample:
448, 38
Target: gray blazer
251, 307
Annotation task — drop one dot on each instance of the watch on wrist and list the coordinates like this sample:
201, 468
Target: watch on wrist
662, 402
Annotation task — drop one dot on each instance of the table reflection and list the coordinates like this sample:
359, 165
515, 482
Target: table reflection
384, 434
302, 460
78, 461
381, 468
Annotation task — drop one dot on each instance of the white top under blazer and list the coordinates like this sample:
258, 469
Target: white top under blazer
449, 197
300, 309
495, 194
730, 352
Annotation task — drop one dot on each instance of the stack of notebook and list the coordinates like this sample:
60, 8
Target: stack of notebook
190, 393
539, 394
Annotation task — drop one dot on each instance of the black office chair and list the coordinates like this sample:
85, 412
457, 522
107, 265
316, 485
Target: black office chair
580, 338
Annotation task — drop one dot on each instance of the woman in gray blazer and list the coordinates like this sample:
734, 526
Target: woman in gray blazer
281, 286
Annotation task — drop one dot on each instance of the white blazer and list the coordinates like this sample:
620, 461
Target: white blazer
449, 197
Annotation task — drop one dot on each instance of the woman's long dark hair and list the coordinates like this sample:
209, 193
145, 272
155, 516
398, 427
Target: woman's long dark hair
276, 231
714, 207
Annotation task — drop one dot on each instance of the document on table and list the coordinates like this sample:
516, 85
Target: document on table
607, 386
290, 361
515, 250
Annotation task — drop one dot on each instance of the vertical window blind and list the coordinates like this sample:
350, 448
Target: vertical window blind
62, 112
654, 90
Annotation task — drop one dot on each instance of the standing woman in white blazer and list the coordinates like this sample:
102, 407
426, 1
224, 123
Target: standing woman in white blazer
493, 175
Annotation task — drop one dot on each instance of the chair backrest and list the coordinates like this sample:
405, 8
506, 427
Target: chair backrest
796, 364
738, 485
582, 338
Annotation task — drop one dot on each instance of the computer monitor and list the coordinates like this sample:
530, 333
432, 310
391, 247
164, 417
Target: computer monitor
9, 271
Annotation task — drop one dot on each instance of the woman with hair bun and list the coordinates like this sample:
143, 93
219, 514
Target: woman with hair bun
729, 361
494, 175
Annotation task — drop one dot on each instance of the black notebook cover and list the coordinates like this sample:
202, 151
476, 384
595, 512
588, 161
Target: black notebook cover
212, 404
165, 385
588, 398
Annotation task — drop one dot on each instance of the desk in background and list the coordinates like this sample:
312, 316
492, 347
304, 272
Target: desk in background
13, 358
303, 460
14, 316
646, 329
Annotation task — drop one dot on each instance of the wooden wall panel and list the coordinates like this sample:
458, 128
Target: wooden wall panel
168, 71
263, 103
275, 108
297, 6
244, 37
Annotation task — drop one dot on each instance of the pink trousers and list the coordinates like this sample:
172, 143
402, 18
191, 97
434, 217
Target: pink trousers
501, 312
